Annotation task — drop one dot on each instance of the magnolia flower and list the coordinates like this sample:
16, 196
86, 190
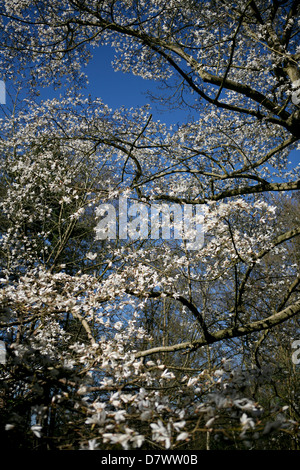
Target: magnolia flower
97, 418
161, 433
120, 415
210, 422
179, 425
120, 438
65, 199
137, 440
247, 423
192, 381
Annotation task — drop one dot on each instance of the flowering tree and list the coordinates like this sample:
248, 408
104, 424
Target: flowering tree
141, 342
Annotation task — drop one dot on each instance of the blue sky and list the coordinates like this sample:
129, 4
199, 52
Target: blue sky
116, 89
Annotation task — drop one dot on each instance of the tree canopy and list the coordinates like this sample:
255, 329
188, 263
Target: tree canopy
138, 341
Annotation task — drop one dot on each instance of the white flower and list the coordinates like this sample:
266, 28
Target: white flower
179, 425
77, 214
137, 440
247, 423
8, 427
119, 415
210, 422
93, 444
97, 418
65, 199
192, 381
160, 433
118, 325
167, 375
82, 390
245, 404
36, 429
119, 438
